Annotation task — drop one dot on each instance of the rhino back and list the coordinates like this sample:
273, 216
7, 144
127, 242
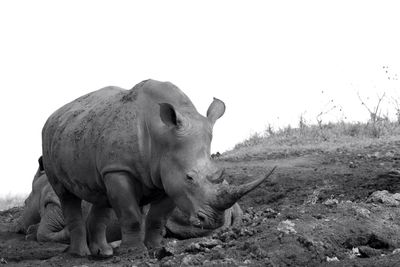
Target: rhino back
74, 134
108, 130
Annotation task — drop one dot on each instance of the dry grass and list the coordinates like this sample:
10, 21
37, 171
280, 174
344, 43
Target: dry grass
10, 201
311, 137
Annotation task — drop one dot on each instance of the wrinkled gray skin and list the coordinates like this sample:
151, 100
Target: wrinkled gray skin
122, 149
42, 218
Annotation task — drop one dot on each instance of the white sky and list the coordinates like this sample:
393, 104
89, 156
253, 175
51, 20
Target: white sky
268, 61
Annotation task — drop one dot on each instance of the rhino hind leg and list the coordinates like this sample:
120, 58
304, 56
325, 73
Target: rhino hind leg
73, 215
98, 219
71, 208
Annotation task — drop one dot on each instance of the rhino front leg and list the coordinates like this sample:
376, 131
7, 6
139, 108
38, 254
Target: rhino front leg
123, 193
156, 220
98, 219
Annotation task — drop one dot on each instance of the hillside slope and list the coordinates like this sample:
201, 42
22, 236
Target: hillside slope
321, 207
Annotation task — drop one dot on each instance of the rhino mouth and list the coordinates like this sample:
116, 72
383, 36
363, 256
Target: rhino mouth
208, 220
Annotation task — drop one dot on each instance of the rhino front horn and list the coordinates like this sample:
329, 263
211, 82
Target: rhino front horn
228, 195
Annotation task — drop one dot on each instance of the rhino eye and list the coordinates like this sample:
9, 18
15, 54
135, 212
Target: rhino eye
188, 177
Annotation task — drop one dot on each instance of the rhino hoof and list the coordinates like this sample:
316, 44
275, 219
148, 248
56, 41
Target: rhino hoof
78, 253
101, 252
159, 253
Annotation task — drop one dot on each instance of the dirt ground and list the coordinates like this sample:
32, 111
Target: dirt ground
316, 210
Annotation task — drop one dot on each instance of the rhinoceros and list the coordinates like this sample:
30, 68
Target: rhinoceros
42, 214
122, 149
42, 218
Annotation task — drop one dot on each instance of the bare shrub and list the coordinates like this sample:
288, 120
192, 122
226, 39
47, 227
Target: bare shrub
396, 103
327, 108
302, 123
270, 130
375, 115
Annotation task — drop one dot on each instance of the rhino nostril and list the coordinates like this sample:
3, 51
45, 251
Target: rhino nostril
201, 217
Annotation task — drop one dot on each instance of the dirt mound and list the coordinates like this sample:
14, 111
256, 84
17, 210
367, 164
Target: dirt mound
320, 208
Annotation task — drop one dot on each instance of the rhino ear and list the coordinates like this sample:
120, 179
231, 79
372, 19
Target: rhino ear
215, 110
40, 160
169, 115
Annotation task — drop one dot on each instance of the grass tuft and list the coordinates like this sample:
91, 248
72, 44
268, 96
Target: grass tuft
10, 201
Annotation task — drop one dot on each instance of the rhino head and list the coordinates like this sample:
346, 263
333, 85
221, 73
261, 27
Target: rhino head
189, 176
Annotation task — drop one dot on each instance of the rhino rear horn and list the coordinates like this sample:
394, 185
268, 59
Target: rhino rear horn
228, 195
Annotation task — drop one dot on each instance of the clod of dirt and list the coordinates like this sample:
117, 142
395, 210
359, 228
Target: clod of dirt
202, 246
116, 259
194, 247
172, 247
368, 252
394, 173
354, 253
366, 239
396, 251
255, 250
377, 242
221, 262
286, 227
161, 253
226, 236
190, 260
252, 216
270, 213
385, 197
352, 165
362, 212
330, 259
376, 155
168, 263
145, 264
331, 202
